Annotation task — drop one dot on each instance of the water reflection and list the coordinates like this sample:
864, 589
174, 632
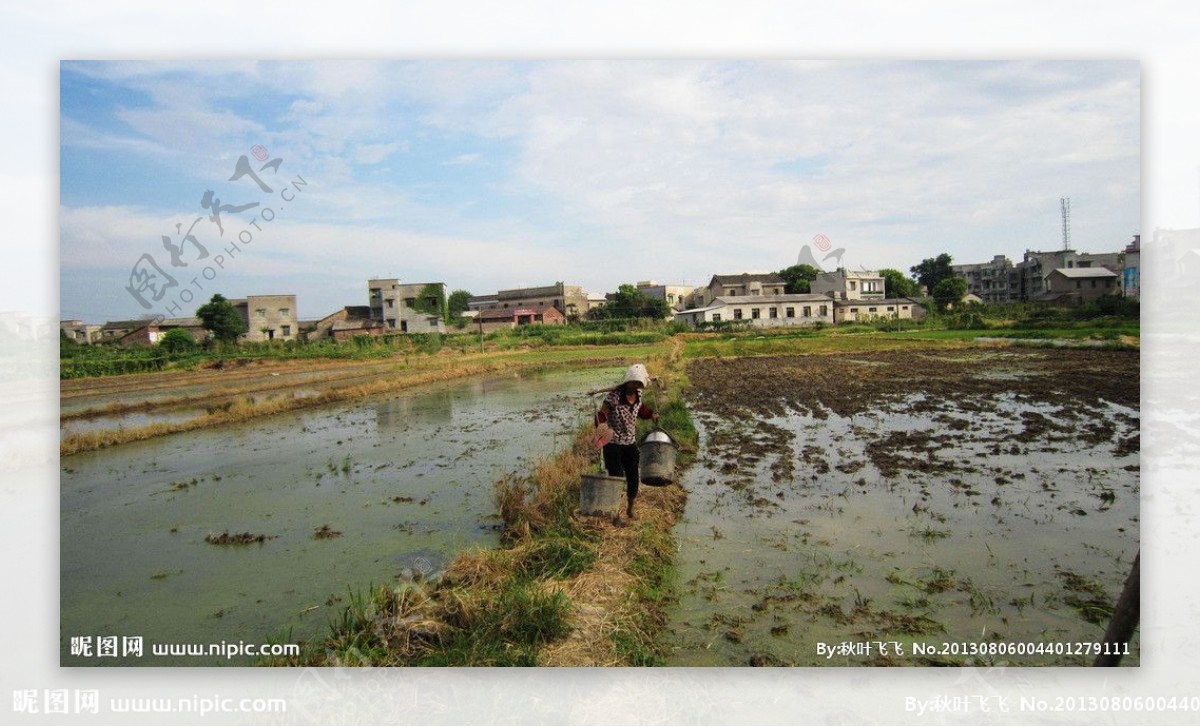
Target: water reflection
344, 495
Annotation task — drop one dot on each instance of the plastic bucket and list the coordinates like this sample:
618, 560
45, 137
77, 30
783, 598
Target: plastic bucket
601, 494
657, 464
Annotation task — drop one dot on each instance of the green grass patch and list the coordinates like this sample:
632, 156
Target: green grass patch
505, 629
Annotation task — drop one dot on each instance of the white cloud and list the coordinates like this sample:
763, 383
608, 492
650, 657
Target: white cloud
716, 167
463, 160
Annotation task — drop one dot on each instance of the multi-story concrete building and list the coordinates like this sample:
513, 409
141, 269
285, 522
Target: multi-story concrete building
394, 305
1131, 275
843, 284
269, 317
732, 286
998, 281
678, 297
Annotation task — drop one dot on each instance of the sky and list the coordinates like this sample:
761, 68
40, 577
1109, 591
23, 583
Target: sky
497, 175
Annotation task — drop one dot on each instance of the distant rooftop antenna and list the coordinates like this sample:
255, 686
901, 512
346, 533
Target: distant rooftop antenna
1065, 203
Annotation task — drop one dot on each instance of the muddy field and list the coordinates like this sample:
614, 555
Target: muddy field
942, 500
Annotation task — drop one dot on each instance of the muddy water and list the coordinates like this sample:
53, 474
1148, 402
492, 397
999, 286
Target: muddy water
984, 519
404, 481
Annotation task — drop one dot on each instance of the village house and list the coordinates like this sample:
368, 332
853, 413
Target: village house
745, 284
495, 319
1037, 267
850, 311
677, 297
785, 309
394, 305
80, 332
149, 332
570, 300
344, 324
113, 331
268, 317
849, 285
1081, 285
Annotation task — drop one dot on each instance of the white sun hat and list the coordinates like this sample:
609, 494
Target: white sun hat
637, 372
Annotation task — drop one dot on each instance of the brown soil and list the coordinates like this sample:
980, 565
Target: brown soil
226, 538
848, 384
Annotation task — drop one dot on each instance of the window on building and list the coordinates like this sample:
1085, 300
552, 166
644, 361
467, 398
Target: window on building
807, 311
870, 310
754, 313
891, 309
824, 311
773, 312
260, 312
1093, 283
391, 302
716, 317
790, 312
737, 314
852, 285
286, 330
285, 312
1078, 284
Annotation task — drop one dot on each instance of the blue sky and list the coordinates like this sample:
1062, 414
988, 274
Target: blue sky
492, 175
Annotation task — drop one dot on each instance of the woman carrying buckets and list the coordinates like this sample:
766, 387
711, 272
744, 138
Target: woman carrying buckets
620, 411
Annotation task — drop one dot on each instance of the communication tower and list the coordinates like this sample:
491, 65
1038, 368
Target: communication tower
1065, 203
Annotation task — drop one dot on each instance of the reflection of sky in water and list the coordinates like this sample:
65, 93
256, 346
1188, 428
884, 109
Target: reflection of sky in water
851, 536
406, 479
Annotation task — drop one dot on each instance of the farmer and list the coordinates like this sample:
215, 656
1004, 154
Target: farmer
620, 411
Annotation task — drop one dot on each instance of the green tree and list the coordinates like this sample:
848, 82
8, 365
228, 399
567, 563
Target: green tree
457, 303
629, 302
933, 270
799, 278
432, 300
949, 292
222, 319
176, 341
897, 284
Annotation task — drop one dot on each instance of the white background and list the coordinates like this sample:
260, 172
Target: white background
1162, 35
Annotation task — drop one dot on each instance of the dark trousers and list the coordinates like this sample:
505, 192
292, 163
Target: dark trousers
622, 459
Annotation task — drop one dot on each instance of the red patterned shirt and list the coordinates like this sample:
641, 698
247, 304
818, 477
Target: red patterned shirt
622, 416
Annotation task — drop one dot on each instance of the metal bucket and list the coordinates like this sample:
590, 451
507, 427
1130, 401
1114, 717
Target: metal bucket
601, 494
657, 465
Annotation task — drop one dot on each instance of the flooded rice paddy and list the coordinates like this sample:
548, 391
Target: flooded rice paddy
948, 500
244, 532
